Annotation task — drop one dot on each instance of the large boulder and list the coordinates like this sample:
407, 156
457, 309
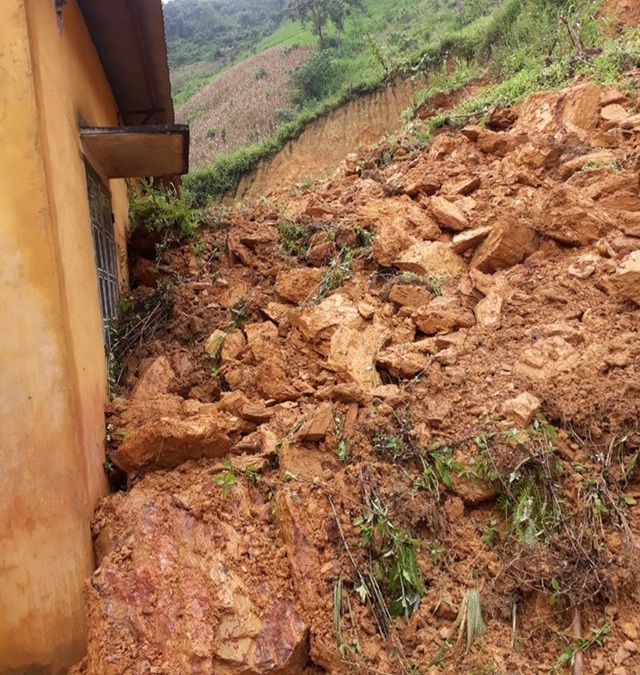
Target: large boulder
448, 214
167, 442
434, 258
155, 381
298, 285
443, 315
183, 586
352, 354
570, 217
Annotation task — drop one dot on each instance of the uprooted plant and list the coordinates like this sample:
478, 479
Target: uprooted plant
556, 533
393, 557
469, 621
138, 320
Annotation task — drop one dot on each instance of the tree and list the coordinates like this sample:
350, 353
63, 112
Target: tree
319, 13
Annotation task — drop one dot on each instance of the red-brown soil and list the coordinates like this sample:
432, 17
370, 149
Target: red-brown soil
468, 312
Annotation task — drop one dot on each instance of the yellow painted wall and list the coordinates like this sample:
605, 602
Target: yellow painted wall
52, 374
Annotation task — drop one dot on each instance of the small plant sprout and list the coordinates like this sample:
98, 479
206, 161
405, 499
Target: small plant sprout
437, 282
365, 237
253, 475
489, 532
342, 450
239, 314
293, 238
226, 478
339, 271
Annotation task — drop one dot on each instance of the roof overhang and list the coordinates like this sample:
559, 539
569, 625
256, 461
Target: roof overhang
130, 41
137, 151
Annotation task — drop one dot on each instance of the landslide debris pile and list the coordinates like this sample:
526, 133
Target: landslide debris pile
391, 424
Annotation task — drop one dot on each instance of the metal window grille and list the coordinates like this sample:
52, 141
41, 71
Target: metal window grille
104, 249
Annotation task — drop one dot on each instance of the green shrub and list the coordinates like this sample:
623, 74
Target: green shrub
156, 209
320, 77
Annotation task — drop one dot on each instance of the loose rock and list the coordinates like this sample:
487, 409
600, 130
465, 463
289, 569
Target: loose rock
522, 409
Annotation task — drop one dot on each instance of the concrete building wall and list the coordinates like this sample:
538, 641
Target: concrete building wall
52, 368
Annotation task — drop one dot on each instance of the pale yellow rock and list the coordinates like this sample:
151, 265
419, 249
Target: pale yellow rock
626, 281
489, 311
435, 258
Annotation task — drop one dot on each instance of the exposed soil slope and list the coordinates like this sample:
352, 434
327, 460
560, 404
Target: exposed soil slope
435, 351
327, 141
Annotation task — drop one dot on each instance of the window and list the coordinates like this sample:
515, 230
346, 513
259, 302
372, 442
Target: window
104, 249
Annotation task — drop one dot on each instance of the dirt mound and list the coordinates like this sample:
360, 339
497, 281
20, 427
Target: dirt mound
392, 422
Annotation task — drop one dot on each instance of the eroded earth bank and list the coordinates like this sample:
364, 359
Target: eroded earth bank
389, 423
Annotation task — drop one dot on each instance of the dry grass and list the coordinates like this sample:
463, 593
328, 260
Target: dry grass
239, 108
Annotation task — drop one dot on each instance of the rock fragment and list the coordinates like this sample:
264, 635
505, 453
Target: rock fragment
168, 442
546, 359
155, 381
508, 244
234, 344
621, 655
256, 412
466, 186
407, 214
191, 601
410, 295
522, 409
431, 258
570, 217
298, 285
613, 113
448, 214
583, 267
626, 281
318, 424
488, 311
352, 354
443, 315
402, 361
464, 241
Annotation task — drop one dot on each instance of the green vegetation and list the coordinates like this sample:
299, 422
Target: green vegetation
520, 45
138, 320
389, 38
226, 479
319, 13
162, 211
395, 563
581, 644
217, 30
339, 271
532, 45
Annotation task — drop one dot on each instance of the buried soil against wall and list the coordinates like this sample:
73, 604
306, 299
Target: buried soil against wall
394, 428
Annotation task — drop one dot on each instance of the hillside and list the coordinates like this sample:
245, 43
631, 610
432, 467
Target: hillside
244, 105
386, 39
513, 48
389, 423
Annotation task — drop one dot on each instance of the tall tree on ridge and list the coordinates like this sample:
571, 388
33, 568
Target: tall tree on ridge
319, 13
